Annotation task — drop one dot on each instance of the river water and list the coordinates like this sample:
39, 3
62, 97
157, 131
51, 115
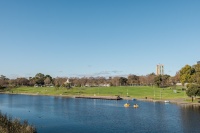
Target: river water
70, 115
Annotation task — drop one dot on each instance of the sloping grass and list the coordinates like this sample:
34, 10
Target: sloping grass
123, 91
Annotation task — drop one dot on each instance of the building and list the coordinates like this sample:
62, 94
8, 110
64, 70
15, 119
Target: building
198, 62
160, 69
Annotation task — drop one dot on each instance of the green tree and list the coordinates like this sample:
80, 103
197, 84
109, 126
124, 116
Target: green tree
193, 90
122, 81
39, 75
166, 80
39, 78
186, 74
48, 76
3, 81
133, 79
3, 77
158, 80
196, 76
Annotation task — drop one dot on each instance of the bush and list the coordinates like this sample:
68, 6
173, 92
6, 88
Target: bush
193, 90
7, 125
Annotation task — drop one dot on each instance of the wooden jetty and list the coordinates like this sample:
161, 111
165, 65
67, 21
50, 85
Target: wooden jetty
101, 97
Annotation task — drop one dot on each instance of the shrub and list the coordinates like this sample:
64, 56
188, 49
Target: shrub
193, 90
7, 125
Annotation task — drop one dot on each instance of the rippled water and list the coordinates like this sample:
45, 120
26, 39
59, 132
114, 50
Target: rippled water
63, 115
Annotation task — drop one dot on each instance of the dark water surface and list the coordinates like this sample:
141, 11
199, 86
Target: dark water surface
69, 115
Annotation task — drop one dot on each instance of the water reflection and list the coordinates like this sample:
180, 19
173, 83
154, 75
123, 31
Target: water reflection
190, 115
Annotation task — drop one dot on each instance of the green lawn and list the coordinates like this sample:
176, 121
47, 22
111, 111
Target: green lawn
134, 92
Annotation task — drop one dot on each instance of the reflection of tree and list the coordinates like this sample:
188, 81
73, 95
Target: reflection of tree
190, 118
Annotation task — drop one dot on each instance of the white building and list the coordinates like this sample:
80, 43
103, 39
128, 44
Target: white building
160, 69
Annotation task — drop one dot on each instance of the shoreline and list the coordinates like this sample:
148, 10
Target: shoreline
172, 101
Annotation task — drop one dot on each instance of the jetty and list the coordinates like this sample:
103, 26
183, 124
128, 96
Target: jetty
100, 97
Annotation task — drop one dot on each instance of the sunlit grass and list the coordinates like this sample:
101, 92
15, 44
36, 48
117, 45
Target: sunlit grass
124, 91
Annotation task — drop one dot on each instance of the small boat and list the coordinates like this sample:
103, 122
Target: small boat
166, 101
135, 106
126, 105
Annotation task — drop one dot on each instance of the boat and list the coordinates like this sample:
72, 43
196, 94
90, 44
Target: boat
166, 101
135, 106
126, 105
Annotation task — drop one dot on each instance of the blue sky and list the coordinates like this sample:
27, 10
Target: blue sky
97, 37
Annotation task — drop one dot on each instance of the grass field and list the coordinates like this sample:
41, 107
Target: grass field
124, 91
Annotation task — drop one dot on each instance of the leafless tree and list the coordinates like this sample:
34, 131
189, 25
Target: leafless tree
83, 81
59, 81
22, 81
12, 83
47, 81
115, 81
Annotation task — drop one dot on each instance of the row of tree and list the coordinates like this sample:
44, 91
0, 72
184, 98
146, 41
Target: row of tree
189, 75
46, 80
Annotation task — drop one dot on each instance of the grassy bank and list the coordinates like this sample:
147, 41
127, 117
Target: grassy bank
7, 125
133, 91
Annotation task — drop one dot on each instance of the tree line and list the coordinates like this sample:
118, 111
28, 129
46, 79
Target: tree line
131, 80
188, 76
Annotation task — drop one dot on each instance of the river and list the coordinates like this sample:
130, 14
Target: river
69, 115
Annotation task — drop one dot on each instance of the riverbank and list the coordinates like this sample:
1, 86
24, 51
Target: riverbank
7, 125
178, 101
122, 91
100, 97
143, 93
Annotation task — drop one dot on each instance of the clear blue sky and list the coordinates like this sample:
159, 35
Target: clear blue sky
97, 37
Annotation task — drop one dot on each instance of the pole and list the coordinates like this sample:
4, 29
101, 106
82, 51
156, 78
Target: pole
160, 93
154, 92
